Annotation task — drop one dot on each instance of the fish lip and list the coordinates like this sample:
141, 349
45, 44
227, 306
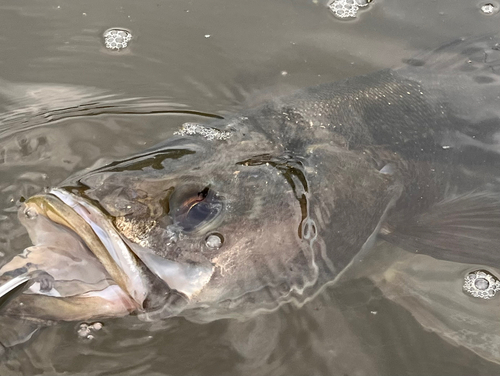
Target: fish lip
97, 232
185, 279
128, 264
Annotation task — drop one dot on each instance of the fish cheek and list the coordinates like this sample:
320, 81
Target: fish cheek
137, 212
258, 250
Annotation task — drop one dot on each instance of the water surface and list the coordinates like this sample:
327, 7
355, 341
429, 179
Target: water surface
70, 104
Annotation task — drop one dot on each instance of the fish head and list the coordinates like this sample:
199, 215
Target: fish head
228, 220
209, 217
206, 220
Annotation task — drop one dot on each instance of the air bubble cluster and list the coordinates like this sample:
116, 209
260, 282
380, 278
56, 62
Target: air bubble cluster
488, 8
481, 284
85, 330
347, 8
116, 39
191, 129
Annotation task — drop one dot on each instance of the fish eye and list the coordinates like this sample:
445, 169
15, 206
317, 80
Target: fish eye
197, 208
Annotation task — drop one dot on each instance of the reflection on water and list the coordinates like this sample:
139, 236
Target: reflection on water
351, 329
367, 323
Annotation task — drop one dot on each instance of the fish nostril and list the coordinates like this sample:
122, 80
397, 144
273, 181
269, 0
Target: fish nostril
30, 213
214, 241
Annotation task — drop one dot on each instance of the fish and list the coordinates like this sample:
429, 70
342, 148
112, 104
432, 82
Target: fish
375, 175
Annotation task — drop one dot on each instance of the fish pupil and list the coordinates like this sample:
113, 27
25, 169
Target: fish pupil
199, 212
198, 209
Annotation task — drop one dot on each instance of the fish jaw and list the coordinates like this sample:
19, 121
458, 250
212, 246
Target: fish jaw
59, 279
186, 279
96, 232
78, 266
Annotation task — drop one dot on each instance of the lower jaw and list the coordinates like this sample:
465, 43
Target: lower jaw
97, 233
149, 281
110, 302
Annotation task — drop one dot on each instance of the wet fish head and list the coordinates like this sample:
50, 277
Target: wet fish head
213, 217
222, 220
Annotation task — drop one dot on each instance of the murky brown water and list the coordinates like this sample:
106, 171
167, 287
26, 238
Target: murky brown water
212, 57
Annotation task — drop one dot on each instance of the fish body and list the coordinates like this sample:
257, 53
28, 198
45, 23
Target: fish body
240, 215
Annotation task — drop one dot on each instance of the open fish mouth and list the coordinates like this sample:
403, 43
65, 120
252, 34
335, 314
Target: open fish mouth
80, 257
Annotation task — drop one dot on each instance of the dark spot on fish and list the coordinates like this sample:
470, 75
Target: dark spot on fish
414, 62
472, 50
45, 279
42, 140
483, 79
16, 272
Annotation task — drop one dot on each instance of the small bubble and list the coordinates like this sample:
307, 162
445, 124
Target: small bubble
207, 35
97, 326
83, 331
284, 73
488, 8
481, 284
